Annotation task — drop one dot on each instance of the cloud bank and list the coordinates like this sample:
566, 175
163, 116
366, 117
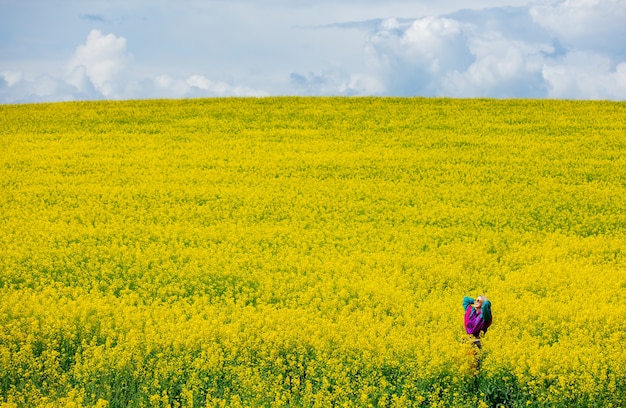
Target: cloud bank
571, 49
101, 68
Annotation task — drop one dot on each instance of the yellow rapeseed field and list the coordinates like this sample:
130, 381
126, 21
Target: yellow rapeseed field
312, 252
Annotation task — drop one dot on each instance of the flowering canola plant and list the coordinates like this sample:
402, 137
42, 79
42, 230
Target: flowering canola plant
311, 252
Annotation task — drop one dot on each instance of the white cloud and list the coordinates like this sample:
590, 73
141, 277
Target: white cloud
589, 25
438, 43
335, 83
204, 84
101, 60
502, 67
170, 87
413, 59
11, 77
166, 86
584, 73
201, 86
43, 88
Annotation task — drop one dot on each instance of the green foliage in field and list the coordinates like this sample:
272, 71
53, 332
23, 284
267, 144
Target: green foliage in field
312, 252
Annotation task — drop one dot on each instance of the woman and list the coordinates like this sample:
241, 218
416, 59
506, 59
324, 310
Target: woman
477, 317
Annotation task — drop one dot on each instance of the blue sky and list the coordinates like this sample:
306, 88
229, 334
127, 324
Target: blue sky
113, 49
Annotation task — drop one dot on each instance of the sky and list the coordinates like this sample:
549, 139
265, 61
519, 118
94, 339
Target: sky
61, 50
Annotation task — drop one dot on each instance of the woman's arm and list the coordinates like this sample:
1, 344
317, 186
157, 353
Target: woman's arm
487, 311
467, 302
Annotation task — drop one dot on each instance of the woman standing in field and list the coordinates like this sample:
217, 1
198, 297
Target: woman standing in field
477, 317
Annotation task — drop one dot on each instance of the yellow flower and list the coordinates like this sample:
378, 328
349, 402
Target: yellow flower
310, 251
